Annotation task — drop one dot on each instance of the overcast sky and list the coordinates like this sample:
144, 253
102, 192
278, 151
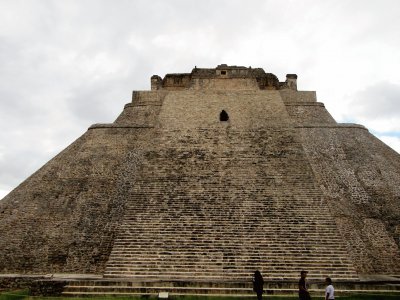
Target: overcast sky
67, 64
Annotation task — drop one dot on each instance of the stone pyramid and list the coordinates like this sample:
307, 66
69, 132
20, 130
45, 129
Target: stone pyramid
211, 175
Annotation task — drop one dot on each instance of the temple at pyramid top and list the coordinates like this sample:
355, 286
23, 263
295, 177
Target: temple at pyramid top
242, 78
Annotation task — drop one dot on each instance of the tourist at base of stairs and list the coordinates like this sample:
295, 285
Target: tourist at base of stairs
329, 291
303, 290
258, 284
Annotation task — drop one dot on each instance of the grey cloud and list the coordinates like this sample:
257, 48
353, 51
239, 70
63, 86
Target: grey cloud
378, 101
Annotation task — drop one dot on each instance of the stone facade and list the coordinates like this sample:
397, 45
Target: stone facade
169, 190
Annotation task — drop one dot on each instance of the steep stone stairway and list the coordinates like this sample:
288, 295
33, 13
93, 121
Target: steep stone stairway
126, 287
219, 204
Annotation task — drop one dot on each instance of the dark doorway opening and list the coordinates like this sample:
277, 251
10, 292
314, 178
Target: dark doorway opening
223, 116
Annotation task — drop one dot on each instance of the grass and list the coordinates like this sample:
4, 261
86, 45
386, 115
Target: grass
24, 295
14, 295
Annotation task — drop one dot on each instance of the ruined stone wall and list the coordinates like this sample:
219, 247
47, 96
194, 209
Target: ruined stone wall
309, 113
143, 110
176, 82
63, 217
224, 84
360, 178
304, 109
289, 95
246, 109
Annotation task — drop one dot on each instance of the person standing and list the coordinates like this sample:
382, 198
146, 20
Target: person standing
303, 290
258, 284
329, 291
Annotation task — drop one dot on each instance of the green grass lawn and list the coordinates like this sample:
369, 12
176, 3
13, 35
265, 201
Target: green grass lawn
23, 295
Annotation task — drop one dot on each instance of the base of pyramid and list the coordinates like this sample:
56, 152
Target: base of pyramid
79, 285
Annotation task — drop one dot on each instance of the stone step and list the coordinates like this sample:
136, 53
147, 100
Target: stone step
200, 276
175, 263
226, 252
171, 263
224, 272
184, 206
210, 241
243, 288
218, 255
224, 268
254, 252
176, 291
213, 218
269, 234
238, 264
212, 293
193, 239
124, 282
246, 232
242, 222
214, 255
207, 257
218, 275
219, 261
165, 246
215, 222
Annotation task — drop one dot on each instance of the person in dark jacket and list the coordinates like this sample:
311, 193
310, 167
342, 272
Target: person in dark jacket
258, 284
303, 289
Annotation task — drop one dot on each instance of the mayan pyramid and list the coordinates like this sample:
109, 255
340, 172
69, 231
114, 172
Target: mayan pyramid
211, 175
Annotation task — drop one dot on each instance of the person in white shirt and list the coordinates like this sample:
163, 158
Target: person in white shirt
329, 291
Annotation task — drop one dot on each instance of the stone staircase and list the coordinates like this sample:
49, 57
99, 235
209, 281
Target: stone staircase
215, 206
81, 288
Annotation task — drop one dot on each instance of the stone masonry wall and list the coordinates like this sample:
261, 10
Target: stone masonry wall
304, 109
309, 113
289, 95
222, 84
219, 202
143, 110
360, 178
63, 218
201, 109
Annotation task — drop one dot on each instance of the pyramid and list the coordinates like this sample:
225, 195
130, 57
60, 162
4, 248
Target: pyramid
211, 175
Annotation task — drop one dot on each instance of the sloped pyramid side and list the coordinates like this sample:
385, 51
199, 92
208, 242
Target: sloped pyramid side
63, 217
360, 179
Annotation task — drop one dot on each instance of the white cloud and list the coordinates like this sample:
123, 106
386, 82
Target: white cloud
377, 106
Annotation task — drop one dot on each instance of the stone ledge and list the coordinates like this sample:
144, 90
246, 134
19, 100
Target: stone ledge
339, 125
111, 125
298, 103
120, 286
141, 104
